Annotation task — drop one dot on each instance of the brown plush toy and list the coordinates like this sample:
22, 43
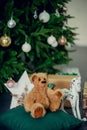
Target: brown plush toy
41, 97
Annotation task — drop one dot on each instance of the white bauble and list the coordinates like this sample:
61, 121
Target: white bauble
55, 44
44, 16
26, 47
11, 23
51, 39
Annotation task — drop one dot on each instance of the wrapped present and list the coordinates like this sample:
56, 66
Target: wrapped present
85, 88
84, 96
61, 81
70, 71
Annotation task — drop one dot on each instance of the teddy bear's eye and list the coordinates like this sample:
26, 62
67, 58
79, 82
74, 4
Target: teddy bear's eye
39, 79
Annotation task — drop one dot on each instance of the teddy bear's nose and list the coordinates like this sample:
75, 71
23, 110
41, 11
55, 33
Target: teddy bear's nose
44, 81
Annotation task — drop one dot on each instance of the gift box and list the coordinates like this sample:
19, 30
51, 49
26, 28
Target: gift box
61, 81
84, 96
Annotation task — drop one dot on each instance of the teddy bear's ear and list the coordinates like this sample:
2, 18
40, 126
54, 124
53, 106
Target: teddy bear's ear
33, 77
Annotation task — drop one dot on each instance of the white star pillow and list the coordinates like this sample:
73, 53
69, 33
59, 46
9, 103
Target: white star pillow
19, 89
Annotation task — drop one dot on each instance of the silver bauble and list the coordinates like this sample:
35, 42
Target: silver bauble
11, 23
26, 47
44, 16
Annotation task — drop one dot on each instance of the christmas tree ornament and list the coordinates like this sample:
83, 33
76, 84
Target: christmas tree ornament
62, 40
35, 15
5, 41
11, 83
55, 44
51, 39
11, 23
26, 47
65, 8
44, 16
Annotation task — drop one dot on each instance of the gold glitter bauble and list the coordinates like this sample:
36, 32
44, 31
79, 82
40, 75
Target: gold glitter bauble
5, 41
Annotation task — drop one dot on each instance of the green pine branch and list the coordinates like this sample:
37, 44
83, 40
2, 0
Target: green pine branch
42, 57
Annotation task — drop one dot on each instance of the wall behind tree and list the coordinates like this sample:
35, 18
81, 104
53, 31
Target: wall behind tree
80, 61
78, 9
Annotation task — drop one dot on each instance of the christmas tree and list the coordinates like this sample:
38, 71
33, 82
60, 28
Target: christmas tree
33, 36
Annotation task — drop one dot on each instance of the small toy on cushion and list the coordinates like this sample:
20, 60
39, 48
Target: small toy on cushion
41, 97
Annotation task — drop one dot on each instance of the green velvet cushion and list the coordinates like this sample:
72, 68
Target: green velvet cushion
18, 119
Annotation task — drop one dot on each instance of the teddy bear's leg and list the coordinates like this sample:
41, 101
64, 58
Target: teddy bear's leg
37, 110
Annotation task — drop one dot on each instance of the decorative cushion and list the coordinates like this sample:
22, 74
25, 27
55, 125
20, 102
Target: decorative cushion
18, 119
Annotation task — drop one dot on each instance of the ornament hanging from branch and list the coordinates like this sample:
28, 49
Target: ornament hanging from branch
65, 8
55, 44
11, 23
26, 47
44, 16
5, 41
51, 40
35, 15
62, 40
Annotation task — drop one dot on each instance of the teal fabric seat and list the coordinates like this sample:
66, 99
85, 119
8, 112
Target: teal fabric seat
18, 119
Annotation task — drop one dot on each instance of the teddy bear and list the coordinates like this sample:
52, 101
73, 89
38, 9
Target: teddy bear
41, 98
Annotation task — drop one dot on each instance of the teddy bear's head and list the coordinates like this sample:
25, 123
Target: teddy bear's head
39, 79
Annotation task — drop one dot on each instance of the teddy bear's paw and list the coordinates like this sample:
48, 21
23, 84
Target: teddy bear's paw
59, 94
38, 110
